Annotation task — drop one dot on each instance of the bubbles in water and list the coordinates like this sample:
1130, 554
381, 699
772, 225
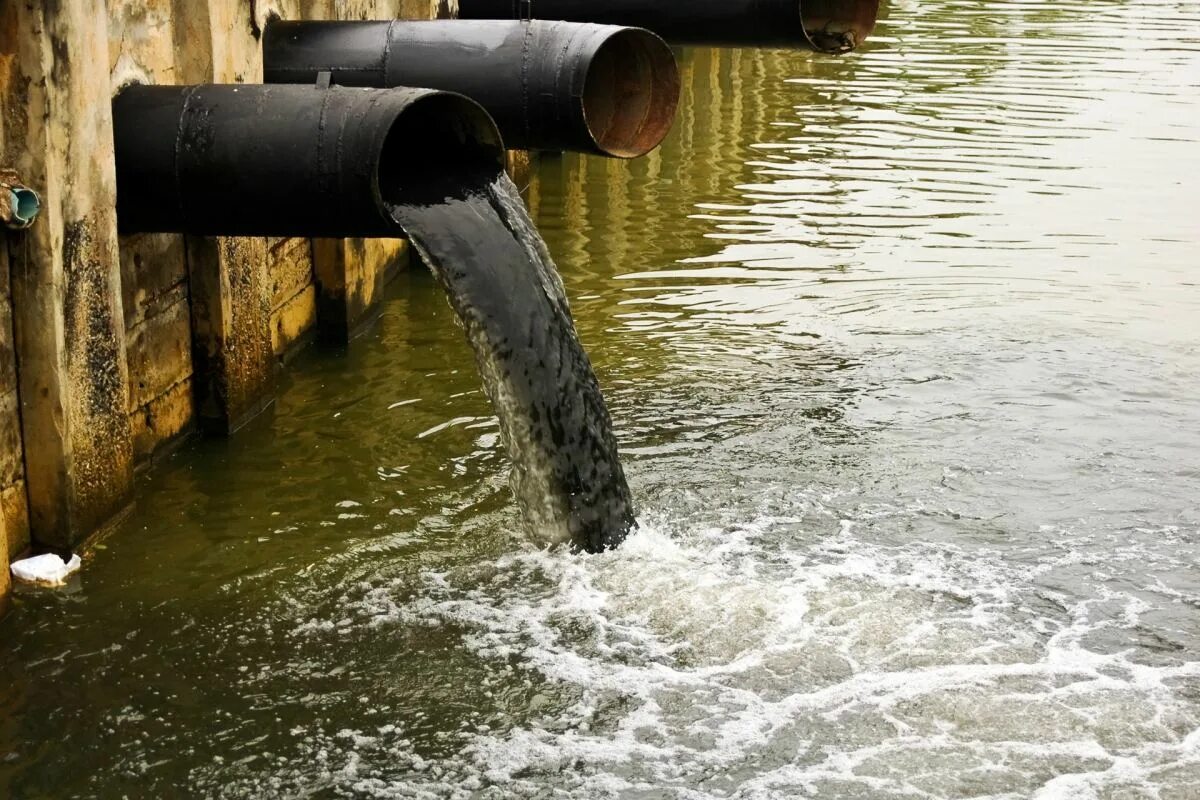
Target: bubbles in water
701, 663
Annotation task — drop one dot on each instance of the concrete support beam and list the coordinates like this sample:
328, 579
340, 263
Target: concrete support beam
69, 331
232, 355
13, 503
231, 334
294, 297
351, 274
351, 277
5, 575
154, 278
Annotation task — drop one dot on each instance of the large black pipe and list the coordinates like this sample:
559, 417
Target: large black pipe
250, 160
827, 26
549, 85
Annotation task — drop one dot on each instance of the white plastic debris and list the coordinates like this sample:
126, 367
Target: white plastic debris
47, 570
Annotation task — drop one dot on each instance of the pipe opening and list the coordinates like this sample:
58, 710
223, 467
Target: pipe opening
23, 207
631, 93
837, 26
27, 205
437, 146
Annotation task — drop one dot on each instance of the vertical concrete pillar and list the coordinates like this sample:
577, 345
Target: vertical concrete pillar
231, 336
154, 278
5, 575
13, 503
290, 260
351, 274
234, 364
69, 332
351, 277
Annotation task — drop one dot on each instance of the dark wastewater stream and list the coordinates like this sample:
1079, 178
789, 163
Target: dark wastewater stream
475, 234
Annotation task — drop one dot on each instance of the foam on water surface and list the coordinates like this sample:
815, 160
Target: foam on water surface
702, 663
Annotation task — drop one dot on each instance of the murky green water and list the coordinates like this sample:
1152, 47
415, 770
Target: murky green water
903, 352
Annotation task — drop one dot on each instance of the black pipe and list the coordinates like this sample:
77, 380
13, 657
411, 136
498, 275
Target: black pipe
244, 160
549, 85
827, 26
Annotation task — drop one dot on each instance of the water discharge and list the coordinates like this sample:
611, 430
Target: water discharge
475, 234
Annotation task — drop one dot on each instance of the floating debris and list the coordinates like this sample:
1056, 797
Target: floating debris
47, 570
835, 39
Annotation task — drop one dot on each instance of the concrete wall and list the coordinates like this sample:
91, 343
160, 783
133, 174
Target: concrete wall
13, 505
5, 578
69, 339
112, 349
200, 353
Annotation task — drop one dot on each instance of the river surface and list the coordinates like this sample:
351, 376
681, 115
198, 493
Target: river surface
902, 350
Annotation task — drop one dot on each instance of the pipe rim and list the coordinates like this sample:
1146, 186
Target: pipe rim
23, 206
430, 140
837, 26
28, 205
630, 93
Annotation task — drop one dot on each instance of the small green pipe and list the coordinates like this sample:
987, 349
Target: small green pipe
23, 208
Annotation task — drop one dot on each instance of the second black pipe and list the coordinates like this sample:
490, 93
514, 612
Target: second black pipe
549, 85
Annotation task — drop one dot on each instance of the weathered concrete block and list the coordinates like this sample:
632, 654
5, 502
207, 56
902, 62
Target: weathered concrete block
5, 576
141, 42
12, 463
12, 451
153, 268
351, 276
369, 9
8, 355
12, 476
293, 296
289, 267
69, 323
231, 339
160, 351
163, 422
5, 285
292, 321
15, 506
158, 335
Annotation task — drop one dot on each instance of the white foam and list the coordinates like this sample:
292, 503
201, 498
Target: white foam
725, 662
